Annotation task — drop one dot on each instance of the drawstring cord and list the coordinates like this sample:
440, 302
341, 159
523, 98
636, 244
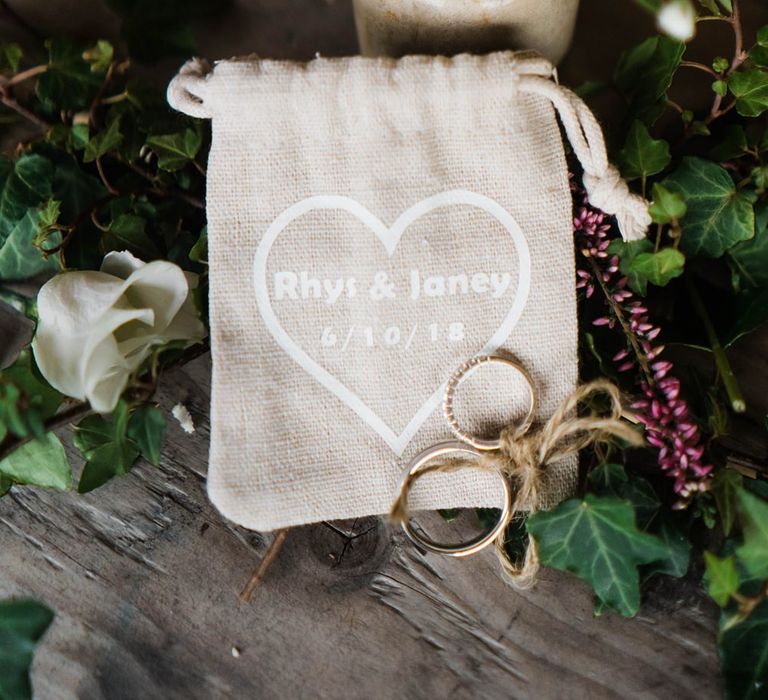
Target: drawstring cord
605, 187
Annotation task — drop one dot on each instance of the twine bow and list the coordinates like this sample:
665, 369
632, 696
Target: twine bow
523, 458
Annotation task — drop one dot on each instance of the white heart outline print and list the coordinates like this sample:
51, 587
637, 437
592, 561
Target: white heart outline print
389, 236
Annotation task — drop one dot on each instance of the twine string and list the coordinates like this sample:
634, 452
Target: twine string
523, 458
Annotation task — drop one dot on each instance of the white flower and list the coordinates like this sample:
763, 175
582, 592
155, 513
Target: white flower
677, 18
95, 329
181, 413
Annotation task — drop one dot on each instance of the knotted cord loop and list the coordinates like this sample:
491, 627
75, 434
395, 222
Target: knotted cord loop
606, 189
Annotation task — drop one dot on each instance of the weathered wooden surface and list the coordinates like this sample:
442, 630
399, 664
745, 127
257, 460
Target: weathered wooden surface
144, 577
144, 574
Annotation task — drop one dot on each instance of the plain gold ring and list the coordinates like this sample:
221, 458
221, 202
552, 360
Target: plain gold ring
420, 465
459, 375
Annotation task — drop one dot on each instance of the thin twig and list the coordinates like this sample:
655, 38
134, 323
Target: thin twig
258, 575
16, 106
26, 75
699, 66
58, 421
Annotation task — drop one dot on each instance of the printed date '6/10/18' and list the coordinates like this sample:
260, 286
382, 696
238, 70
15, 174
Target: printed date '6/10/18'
390, 336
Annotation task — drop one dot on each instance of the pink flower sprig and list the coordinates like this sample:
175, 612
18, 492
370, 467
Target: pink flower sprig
669, 426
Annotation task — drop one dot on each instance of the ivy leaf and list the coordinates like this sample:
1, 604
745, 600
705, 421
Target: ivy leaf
19, 258
666, 206
644, 73
147, 428
174, 151
718, 215
657, 268
128, 231
641, 264
598, 540
10, 57
99, 56
22, 624
750, 88
749, 259
199, 251
753, 515
627, 252
744, 656
38, 393
40, 462
68, 84
722, 578
678, 557
610, 479
726, 487
748, 311
104, 142
642, 155
106, 447
732, 144
25, 185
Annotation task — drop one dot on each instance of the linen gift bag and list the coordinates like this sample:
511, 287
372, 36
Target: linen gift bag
372, 224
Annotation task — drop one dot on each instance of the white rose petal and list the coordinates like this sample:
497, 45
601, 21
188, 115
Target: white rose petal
95, 329
181, 413
677, 18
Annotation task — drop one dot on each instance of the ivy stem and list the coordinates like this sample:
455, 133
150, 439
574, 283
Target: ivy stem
732, 388
739, 56
13, 104
26, 75
699, 66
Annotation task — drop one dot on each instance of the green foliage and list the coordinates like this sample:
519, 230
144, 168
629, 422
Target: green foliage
726, 487
40, 462
644, 73
112, 444
26, 399
718, 215
598, 540
642, 264
106, 446
69, 83
147, 428
642, 155
744, 655
751, 91
666, 207
174, 151
722, 578
753, 514
22, 624
25, 189
749, 260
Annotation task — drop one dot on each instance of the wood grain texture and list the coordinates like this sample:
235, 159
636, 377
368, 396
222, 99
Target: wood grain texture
144, 575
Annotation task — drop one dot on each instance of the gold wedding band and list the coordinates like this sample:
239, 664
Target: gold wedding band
420, 465
462, 373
